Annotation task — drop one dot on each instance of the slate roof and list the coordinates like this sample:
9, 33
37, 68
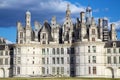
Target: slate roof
109, 44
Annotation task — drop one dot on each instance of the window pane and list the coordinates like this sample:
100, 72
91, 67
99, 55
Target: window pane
108, 59
62, 51
108, 50
43, 51
94, 70
88, 49
115, 60
62, 60
53, 50
89, 70
53, 60
57, 50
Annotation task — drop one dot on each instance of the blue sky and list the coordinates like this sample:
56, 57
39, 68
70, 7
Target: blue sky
12, 11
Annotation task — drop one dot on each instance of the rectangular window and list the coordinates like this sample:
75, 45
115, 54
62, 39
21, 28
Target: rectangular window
62, 51
108, 50
89, 69
1, 61
119, 59
62, 70
93, 31
53, 60
62, 60
53, 51
18, 60
53, 70
68, 60
68, 51
1, 53
43, 51
47, 60
88, 49
43, 70
58, 61
47, 50
58, 70
18, 70
21, 34
94, 59
93, 39
115, 60
94, 49
19, 50
72, 60
44, 36
114, 50
58, 51
43, 60
94, 70
89, 59
6, 61
108, 59
6, 52
72, 50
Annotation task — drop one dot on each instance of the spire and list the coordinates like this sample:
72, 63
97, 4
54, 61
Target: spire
68, 12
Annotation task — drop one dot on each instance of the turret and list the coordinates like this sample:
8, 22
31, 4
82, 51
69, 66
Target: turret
28, 19
88, 15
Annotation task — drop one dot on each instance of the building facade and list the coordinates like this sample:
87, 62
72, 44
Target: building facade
81, 49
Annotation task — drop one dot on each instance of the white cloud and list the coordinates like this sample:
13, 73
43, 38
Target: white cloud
53, 5
9, 42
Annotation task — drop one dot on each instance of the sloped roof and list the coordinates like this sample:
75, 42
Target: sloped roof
109, 44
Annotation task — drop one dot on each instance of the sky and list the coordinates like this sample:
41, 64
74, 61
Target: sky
12, 11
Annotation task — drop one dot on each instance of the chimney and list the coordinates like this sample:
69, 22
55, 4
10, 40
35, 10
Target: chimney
82, 15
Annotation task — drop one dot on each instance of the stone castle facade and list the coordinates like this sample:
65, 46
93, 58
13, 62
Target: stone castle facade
82, 49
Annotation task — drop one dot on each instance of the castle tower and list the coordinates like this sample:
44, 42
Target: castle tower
113, 33
28, 31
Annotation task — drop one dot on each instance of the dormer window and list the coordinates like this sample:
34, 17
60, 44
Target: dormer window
93, 39
21, 34
44, 36
93, 31
114, 44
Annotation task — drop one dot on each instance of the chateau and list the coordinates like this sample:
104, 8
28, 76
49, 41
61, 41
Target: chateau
83, 49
